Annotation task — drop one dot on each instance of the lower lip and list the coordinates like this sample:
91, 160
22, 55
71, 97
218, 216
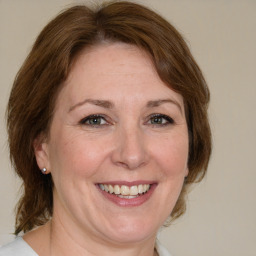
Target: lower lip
124, 202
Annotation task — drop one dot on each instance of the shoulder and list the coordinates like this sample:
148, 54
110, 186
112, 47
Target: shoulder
162, 251
17, 248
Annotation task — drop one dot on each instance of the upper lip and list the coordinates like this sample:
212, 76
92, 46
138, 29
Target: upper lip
128, 183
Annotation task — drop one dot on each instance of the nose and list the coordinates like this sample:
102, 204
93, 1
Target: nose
130, 149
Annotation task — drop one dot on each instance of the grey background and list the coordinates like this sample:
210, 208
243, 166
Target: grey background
220, 218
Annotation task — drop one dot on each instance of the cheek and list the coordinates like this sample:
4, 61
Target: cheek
172, 156
76, 155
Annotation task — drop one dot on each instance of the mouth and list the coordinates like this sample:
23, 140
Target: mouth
123, 191
127, 194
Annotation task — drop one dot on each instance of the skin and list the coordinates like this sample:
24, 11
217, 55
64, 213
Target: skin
127, 144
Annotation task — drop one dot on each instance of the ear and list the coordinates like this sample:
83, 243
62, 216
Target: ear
41, 152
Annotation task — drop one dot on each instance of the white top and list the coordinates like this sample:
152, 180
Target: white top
17, 248
20, 248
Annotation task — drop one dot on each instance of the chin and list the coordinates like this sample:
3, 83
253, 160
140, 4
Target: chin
133, 231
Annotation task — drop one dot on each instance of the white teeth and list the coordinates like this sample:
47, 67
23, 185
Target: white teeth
127, 197
110, 189
106, 188
133, 190
117, 189
124, 191
146, 187
140, 189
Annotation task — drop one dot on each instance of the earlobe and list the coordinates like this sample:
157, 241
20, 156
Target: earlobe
186, 175
186, 172
41, 153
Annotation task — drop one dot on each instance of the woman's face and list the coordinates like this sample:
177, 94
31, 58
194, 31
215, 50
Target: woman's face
118, 147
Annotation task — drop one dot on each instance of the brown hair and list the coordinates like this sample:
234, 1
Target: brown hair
39, 80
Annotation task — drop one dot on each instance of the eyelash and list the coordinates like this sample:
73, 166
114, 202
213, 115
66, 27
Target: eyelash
162, 117
168, 119
93, 117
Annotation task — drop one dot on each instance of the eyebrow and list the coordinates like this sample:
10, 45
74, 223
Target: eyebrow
108, 104
100, 103
157, 103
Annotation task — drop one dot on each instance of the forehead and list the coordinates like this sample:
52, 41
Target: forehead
117, 68
113, 59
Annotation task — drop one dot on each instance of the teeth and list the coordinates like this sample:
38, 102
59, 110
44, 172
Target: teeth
106, 188
124, 191
133, 190
127, 197
140, 189
110, 189
117, 190
146, 187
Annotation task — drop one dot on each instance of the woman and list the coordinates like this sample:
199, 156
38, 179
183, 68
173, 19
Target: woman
107, 123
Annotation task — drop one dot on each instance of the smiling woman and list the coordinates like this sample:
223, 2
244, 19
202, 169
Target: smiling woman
116, 120
116, 146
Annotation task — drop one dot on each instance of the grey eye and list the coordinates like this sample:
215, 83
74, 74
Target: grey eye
159, 119
94, 120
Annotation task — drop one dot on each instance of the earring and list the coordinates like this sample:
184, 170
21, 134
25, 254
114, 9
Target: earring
44, 170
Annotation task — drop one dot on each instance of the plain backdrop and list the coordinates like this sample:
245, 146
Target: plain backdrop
221, 215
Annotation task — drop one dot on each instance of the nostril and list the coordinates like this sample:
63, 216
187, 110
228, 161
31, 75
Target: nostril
121, 164
130, 165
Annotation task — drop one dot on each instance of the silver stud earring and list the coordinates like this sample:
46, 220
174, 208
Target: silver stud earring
44, 170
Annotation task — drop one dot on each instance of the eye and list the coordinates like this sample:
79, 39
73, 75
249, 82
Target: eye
160, 119
94, 120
